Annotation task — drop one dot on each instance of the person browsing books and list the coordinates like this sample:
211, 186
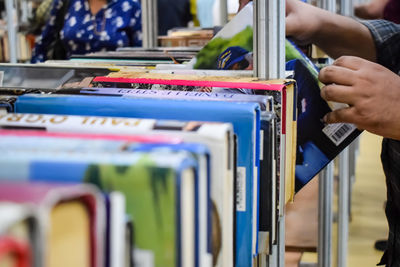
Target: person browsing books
89, 26
364, 76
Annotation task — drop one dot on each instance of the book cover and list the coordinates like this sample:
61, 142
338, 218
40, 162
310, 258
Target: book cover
243, 116
218, 137
70, 218
318, 143
154, 183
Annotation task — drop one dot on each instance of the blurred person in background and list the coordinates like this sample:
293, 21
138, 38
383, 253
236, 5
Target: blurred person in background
172, 14
83, 26
379, 9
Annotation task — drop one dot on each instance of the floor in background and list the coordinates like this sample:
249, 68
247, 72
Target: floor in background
369, 193
368, 222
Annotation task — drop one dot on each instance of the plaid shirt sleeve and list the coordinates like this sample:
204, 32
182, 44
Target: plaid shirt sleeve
386, 36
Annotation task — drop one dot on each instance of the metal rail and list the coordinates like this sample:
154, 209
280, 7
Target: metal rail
11, 31
325, 222
150, 23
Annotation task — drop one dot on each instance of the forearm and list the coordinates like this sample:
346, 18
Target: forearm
339, 35
336, 35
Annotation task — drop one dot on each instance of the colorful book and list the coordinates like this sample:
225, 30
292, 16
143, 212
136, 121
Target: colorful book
318, 143
283, 92
70, 221
245, 118
160, 189
267, 235
218, 137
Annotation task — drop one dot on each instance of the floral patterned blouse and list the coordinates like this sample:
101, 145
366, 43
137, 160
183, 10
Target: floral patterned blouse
117, 24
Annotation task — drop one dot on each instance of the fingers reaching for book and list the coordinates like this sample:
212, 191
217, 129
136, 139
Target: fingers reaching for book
338, 93
349, 62
371, 90
337, 74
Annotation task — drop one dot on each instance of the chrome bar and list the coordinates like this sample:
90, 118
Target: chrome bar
343, 209
325, 217
12, 31
150, 23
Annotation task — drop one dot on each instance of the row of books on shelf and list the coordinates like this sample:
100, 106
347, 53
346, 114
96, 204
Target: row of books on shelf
156, 169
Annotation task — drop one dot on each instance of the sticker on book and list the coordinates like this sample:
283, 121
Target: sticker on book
338, 132
241, 189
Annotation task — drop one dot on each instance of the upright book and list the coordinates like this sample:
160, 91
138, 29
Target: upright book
244, 116
217, 136
160, 187
283, 93
70, 220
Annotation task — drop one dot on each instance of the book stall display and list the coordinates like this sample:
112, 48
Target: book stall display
161, 157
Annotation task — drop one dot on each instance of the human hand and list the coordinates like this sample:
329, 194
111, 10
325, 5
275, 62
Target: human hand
242, 4
371, 10
302, 21
371, 91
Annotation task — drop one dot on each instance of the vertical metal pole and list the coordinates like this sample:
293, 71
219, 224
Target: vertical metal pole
223, 11
149, 23
11, 30
326, 194
269, 63
346, 8
329, 5
281, 39
325, 216
343, 209
265, 39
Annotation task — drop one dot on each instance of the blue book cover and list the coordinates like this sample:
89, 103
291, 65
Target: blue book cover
164, 182
317, 143
245, 118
